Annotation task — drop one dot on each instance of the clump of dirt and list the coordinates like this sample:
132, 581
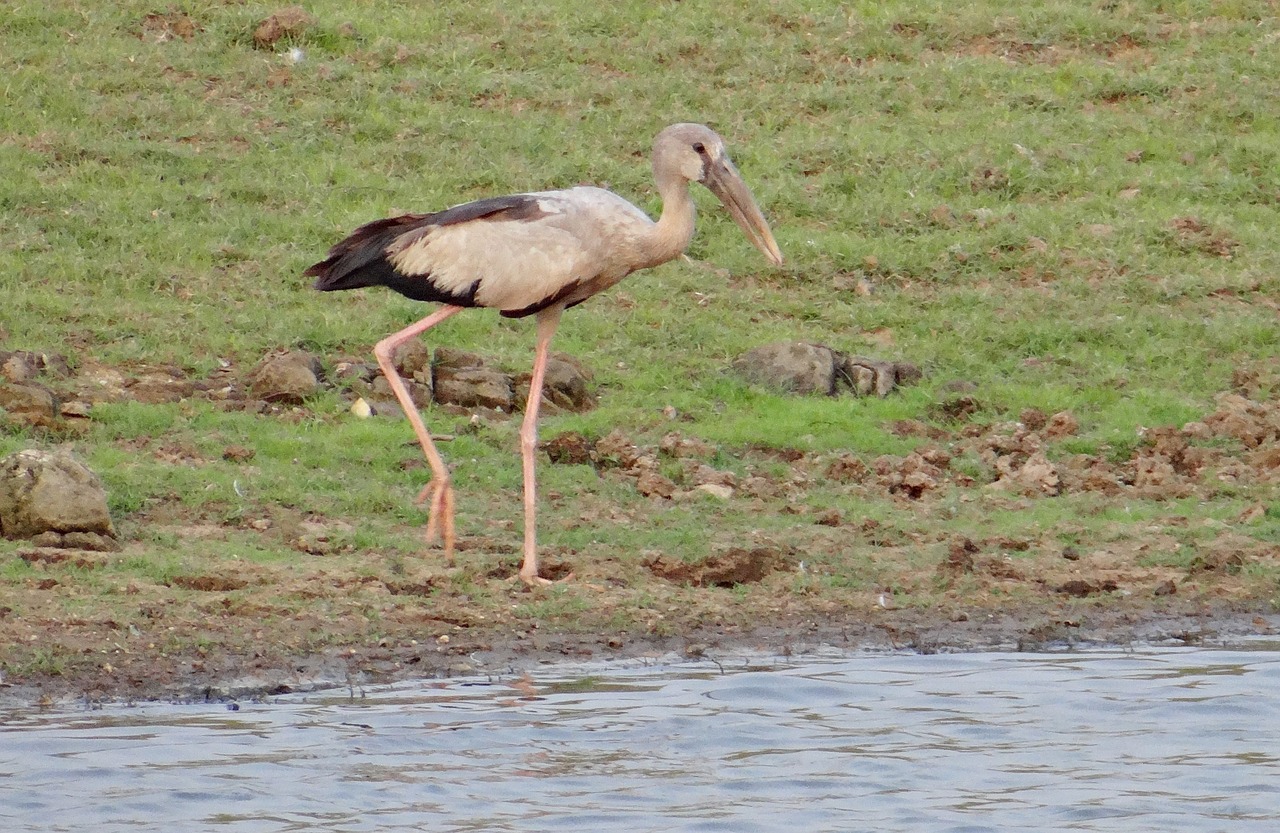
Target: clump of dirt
1193, 234
209, 584
570, 449
735, 566
289, 22
615, 454
167, 26
1081, 587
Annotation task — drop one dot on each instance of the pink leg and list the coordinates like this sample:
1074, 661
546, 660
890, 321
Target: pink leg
440, 490
548, 320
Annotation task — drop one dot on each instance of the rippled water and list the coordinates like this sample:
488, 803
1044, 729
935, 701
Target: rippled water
1154, 740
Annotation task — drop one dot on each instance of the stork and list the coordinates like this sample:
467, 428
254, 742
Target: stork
532, 254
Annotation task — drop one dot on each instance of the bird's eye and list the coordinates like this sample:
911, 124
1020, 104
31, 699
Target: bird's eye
699, 147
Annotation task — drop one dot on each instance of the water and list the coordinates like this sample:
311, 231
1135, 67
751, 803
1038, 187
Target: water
1154, 740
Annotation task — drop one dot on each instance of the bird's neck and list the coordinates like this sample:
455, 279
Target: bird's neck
673, 231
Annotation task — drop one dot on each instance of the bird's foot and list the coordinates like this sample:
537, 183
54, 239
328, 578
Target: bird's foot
439, 494
535, 580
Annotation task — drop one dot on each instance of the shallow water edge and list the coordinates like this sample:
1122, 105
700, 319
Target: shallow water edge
231, 677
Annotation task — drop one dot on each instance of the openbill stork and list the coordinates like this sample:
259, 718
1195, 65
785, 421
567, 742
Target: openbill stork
532, 254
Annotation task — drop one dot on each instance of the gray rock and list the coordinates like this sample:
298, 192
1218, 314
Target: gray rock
288, 377
466, 380
452, 357
473, 387
789, 367
803, 368
565, 388
384, 401
863, 376
50, 491
413, 361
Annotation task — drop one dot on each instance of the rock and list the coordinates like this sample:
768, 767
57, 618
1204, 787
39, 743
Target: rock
165, 27
382, 401
98, 383
348, 371
1035, 476
23, 365
789, 367
1081, 588
45, 491
567, 385
1033, 419
828, 517
28, 404
716, 490
92, 541
679, 446
288, 377
654, 484
907, 373
863, 376
466, 380
564, 388
159, 385
413, 361
474, 387
75, 409
15, 367
453, 358
912, 475
804, 368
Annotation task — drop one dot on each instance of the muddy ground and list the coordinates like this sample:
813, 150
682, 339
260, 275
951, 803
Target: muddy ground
72, 630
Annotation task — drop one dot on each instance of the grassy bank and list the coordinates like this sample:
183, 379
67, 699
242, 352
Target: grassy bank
1050, 207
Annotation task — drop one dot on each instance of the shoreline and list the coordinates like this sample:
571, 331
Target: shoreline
227, 676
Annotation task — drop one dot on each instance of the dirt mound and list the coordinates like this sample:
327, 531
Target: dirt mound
726, 569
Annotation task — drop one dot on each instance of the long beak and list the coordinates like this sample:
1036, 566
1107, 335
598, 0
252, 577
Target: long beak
726, 183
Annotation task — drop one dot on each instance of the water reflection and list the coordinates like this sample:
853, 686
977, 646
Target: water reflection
1155, 740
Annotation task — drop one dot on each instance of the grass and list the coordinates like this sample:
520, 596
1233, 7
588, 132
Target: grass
1067, 206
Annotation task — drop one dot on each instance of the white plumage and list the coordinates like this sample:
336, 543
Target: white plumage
580, 233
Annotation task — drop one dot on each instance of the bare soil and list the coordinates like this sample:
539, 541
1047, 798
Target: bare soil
225, 651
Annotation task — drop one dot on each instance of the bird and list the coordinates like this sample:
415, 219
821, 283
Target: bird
532, 254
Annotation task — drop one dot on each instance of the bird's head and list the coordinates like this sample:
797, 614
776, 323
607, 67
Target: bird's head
695, 153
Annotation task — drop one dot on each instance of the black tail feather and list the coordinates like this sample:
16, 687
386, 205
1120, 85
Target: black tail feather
360, 259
